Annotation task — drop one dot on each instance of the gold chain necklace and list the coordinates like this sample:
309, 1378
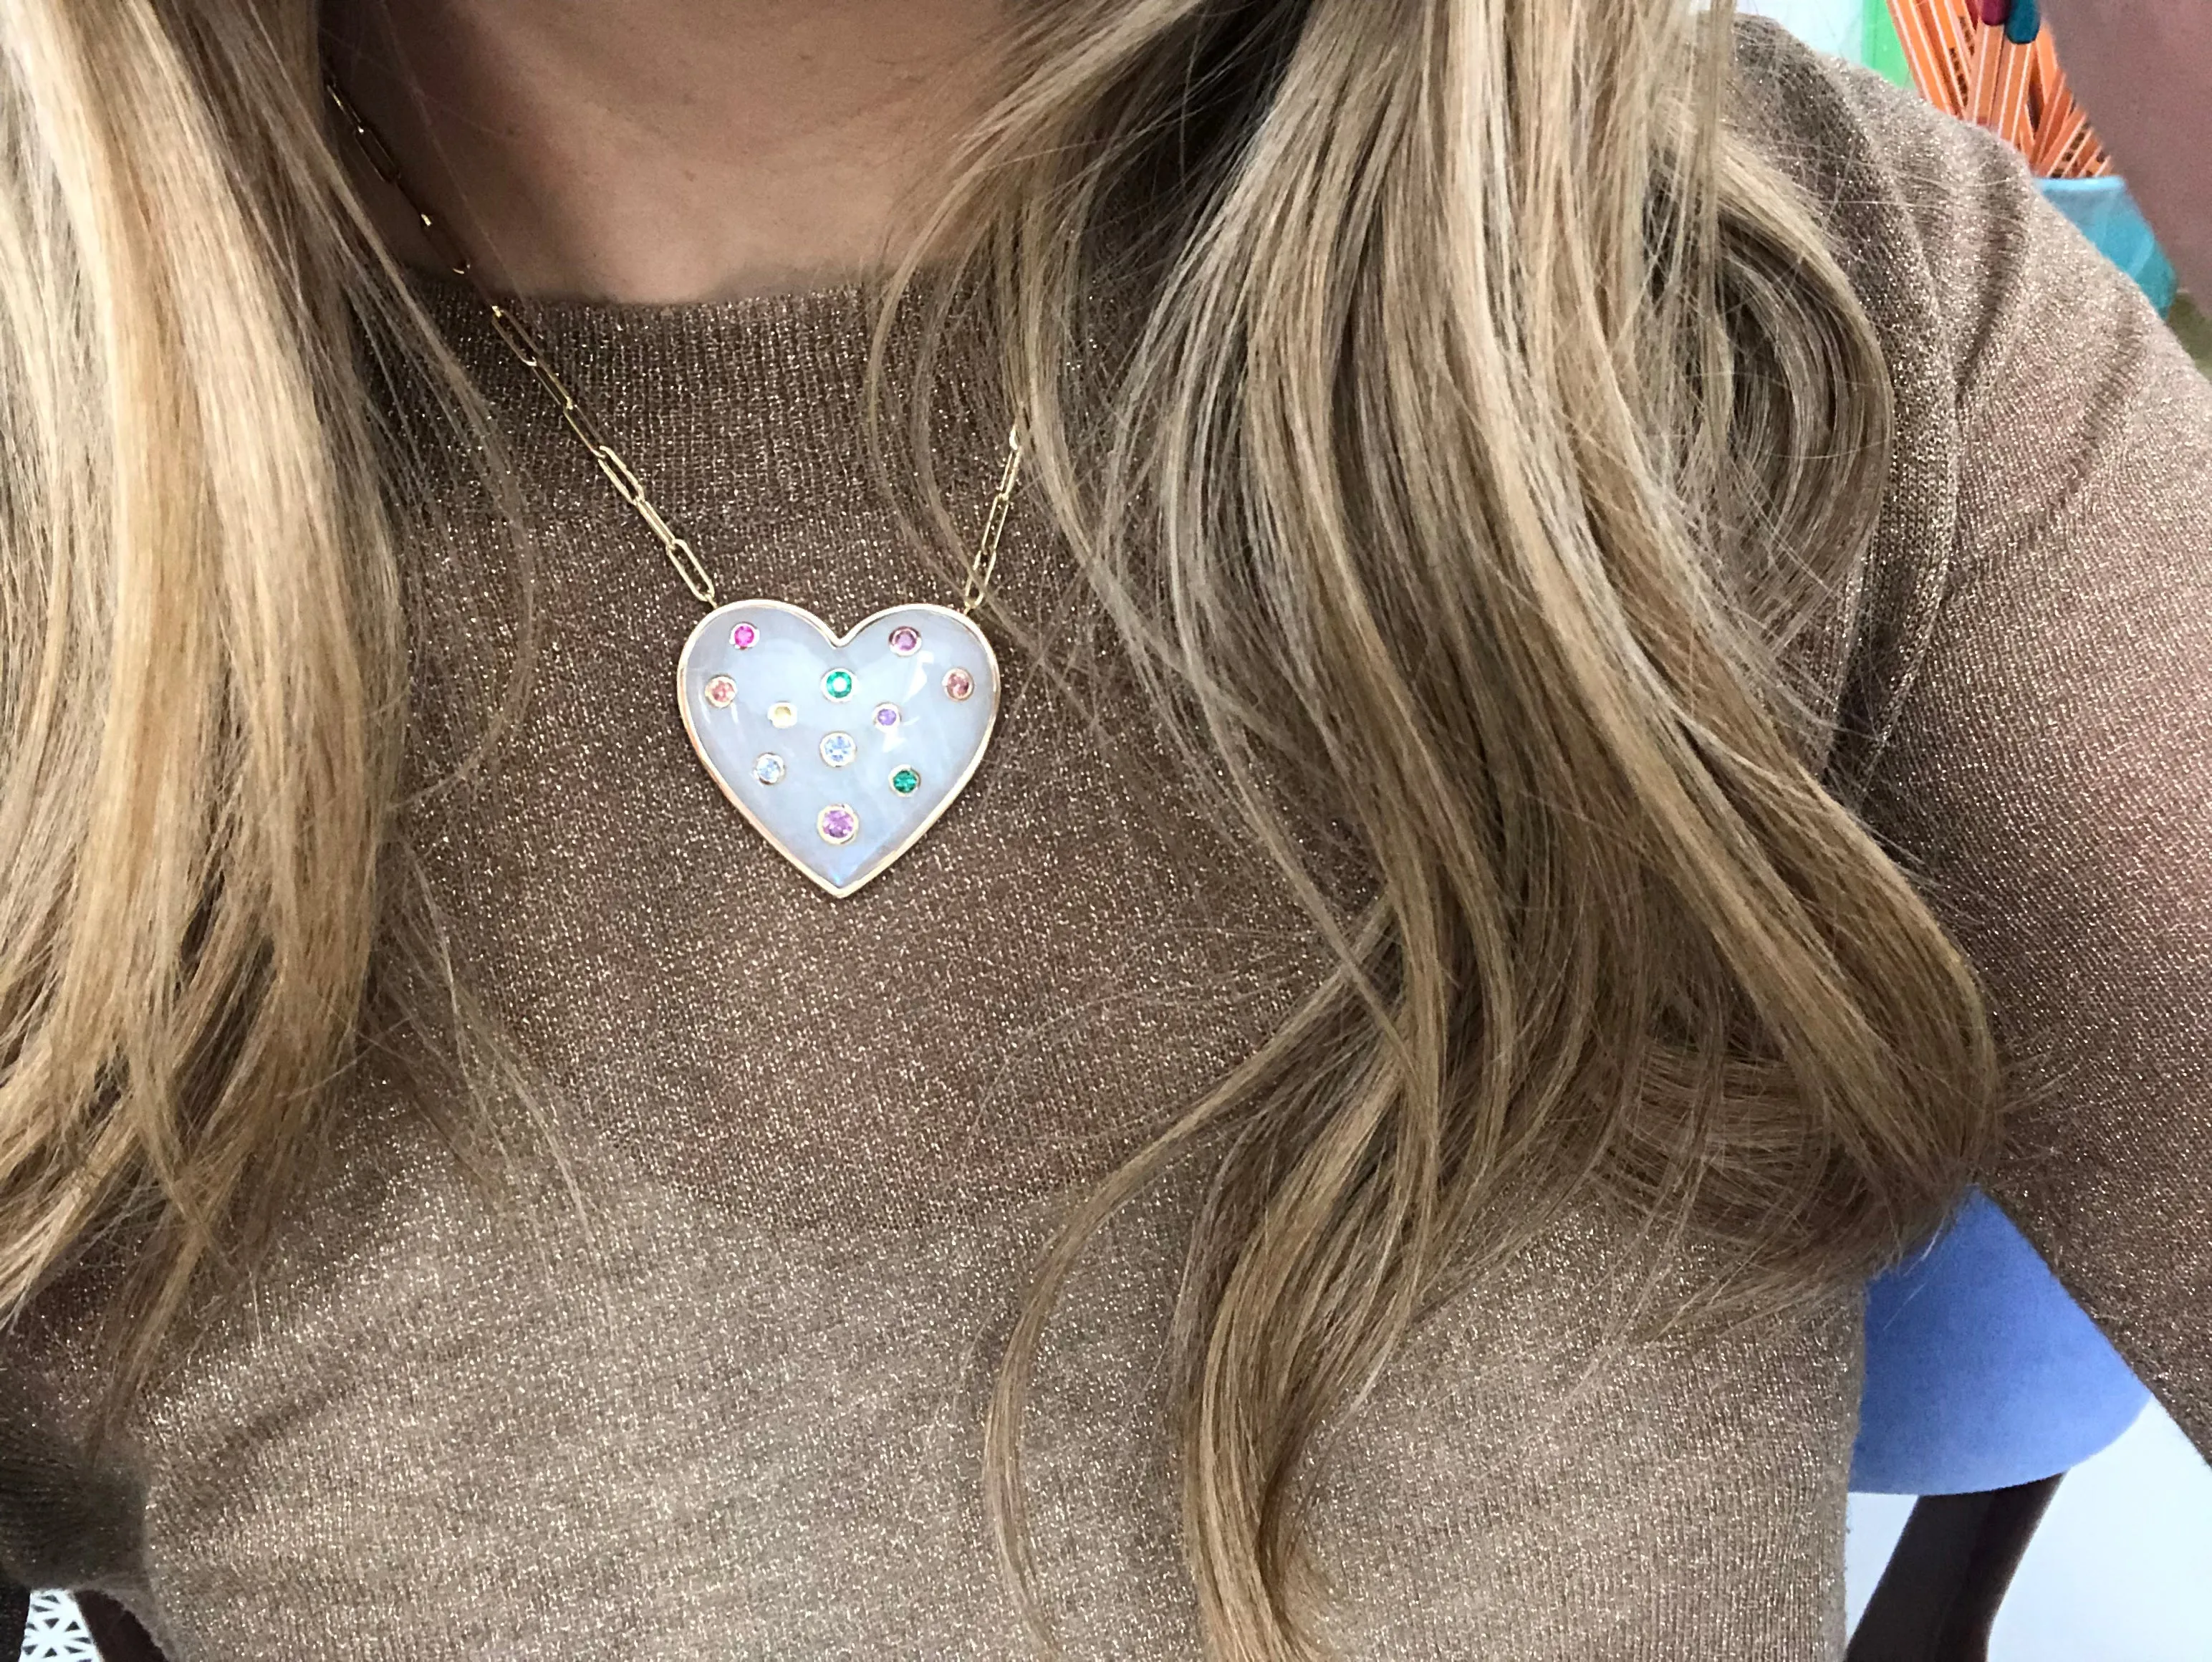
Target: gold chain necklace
841, 750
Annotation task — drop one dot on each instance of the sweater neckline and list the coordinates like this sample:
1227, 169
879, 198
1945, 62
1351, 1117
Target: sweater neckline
772, 384
842, 313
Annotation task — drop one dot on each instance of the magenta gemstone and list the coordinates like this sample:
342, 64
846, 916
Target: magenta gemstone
906, 640
744, 636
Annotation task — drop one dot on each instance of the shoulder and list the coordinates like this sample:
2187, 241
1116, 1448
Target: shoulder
1945, 235
1842, 131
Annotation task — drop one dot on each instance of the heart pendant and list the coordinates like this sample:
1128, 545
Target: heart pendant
840, 751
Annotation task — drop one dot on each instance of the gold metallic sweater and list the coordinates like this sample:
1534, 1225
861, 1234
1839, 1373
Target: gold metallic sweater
731, 1410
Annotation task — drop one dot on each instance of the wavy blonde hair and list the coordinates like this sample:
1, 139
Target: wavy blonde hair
1491, 421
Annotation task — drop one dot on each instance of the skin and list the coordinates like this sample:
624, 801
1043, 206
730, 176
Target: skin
690, 149
2144, 69
665, 150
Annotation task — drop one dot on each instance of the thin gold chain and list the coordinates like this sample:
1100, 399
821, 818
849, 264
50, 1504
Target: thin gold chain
515, 336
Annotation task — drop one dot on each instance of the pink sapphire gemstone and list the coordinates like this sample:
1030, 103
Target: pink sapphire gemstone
744, 636
838, 825
721, 692
906, 640
958, 685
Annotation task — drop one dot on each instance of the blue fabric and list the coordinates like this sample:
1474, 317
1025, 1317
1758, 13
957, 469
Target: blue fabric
1981, 1372
2108, 216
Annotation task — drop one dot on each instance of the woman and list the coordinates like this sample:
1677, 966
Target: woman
1604, 640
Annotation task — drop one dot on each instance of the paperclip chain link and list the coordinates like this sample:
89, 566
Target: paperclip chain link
515, 334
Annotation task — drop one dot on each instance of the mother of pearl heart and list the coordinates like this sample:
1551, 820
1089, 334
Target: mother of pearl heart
841, 751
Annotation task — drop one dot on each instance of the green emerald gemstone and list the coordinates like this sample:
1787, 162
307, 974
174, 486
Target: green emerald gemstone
905, 781
838, 684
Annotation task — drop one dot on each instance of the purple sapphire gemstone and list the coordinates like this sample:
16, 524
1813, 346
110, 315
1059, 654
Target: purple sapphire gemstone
838, 825
887, 715
906, 640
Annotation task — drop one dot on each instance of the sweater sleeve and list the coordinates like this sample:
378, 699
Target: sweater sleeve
66, 1521
2047, 770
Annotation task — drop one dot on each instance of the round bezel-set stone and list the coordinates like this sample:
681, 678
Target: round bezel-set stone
721, 692
743, 637
838, 749
906, 640
905, 781
837, 685
837, 824
782, 715
886, 717
769, 768
959, 685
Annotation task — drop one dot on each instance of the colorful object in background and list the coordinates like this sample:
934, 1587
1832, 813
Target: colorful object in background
1991, 61
2021, 20
2105, 214
1981, 1372
1880, 48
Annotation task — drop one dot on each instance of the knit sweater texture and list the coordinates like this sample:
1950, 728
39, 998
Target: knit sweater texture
717, 1392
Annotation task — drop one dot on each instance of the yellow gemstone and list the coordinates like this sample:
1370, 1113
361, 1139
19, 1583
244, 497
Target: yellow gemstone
782, 715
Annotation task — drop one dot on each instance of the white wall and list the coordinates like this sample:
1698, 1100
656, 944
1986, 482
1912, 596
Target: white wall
2117, 1572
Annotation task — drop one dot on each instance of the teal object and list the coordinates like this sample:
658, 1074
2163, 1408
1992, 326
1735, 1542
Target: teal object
2024, 23
2108, 216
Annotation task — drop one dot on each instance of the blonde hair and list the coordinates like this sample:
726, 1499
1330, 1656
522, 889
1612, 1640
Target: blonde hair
1493, 420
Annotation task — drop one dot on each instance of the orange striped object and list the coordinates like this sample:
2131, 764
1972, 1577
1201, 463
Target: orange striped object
2016, 90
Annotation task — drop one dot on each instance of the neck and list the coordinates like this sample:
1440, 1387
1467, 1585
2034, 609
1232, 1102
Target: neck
663, 150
